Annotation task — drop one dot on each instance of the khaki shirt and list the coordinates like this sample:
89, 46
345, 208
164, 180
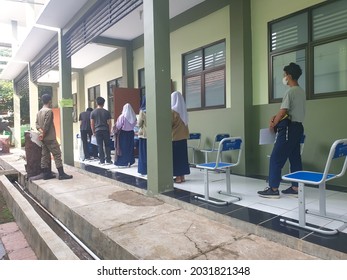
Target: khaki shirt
44, 120
180, 131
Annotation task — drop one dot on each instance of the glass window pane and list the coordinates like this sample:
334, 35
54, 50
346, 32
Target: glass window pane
90, 94
141, 78
193, 92
289, 32
278, 63
330, 67
215, 56
97, 91
214, 88
330, 20
193, 63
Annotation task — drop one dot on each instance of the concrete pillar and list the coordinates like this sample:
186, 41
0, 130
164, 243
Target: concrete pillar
241, 80
158, 91
33, 100
65, 92
16, 119
128, 66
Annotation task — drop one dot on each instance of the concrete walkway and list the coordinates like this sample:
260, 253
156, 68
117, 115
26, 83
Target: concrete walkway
117, 221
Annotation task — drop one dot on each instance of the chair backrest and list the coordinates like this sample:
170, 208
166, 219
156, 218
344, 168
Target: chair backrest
230, 144
338, 150
218, 138
196, 138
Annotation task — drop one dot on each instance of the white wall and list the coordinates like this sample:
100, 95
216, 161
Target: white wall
99, 73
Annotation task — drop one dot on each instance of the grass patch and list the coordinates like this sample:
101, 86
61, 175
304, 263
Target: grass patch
5, 214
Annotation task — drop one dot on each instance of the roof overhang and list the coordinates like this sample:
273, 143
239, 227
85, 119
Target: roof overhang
57, 14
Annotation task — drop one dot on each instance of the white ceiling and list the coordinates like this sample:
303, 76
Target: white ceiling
58, 13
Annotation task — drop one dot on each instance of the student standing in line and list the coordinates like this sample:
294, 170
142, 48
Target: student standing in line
100, 123
124, 127
86, 132
45, 126
180, 134
142, 134
289, 130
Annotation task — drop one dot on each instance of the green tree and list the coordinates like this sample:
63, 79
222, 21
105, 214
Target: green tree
6, 97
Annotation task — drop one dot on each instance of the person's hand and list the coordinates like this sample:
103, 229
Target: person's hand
41, 136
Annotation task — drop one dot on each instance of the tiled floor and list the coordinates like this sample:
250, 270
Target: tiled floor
251, 208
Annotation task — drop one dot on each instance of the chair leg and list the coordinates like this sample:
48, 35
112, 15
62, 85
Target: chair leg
322, 200
301, 201
228, 186
206, 185
207, 196
302, 215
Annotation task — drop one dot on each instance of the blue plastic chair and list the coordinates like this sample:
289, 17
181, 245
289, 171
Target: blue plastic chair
194, 141
226, 144
214, 148
338, 150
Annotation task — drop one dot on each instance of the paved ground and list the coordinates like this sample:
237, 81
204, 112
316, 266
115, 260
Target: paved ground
13, 245
118, 222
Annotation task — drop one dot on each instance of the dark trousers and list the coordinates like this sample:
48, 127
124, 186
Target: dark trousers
287, 146
103, 140
85, 134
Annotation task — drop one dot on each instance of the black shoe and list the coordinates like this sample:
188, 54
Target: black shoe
65, 177
47, 176
290, 191
269, 193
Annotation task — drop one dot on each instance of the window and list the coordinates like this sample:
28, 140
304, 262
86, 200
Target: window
116, 83
204, 77
322, 56
141, 82
93, 93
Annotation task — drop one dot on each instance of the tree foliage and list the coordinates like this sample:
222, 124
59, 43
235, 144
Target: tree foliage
6, 97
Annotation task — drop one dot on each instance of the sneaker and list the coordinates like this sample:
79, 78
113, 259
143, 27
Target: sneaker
290, 191
109, 162
269, 193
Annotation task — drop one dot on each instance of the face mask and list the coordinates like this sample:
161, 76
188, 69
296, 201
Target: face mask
285, 81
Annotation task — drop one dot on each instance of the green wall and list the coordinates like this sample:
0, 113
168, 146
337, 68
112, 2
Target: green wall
243, 24
323, 122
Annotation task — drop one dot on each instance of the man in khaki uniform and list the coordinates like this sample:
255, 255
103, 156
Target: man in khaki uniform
45, 125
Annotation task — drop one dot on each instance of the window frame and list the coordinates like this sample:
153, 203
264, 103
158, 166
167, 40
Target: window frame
202, 74
93, 91
110, 86
309, 51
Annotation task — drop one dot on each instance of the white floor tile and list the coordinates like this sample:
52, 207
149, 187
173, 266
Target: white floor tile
286, 206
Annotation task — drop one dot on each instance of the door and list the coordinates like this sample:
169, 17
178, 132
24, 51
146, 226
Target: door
121, 96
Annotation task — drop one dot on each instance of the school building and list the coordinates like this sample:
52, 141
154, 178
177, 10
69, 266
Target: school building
226, 57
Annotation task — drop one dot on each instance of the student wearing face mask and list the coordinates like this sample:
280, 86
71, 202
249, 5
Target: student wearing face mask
287, 124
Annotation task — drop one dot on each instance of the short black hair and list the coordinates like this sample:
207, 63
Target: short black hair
294, 70
45, 98
89, 109
100, 101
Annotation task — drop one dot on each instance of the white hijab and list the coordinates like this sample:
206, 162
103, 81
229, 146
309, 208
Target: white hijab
179, 106
129, 113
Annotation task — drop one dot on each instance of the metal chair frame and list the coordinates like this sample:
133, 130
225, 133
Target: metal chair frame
214, 148
196, 138
226, 144
338, 150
